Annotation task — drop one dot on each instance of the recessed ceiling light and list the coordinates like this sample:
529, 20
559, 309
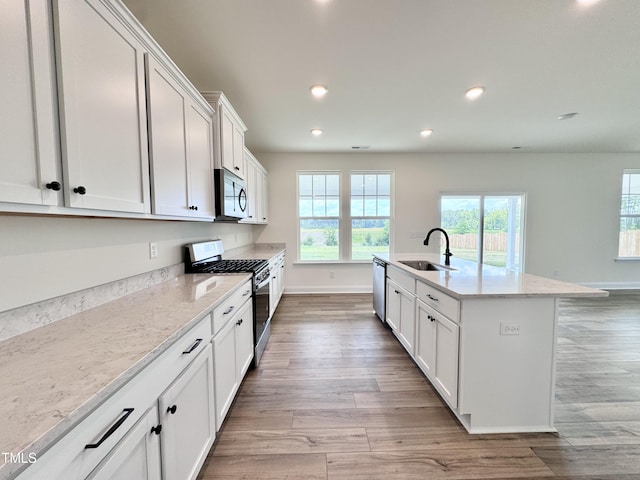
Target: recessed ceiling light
474, 92
318, 91
567, 116
316, 132
587, 2
425, 132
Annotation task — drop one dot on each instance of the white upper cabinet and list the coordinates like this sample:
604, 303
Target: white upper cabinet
29, 158
228, 135
257, 189
180, 144
102, 108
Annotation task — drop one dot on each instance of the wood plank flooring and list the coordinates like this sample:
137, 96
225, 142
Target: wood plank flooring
336, 397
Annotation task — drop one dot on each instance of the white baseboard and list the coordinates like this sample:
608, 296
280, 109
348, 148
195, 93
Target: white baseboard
613, 285
328, 289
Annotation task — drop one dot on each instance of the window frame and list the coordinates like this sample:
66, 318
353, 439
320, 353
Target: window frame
345, 253
621, 216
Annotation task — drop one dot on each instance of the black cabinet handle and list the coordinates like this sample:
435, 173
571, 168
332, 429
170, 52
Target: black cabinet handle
172, 409
80, 190
237, 168
157, 429
193, 207
55, 186
435, 299
114, 427
193, 347
229, 310
239, 322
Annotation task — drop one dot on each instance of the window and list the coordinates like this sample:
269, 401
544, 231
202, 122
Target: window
343, 221
487, 229
319, 216
370, 213
629, 240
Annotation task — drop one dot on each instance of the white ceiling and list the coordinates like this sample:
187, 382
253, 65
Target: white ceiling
394, 67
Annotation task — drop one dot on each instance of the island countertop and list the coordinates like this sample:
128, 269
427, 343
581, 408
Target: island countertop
465, 279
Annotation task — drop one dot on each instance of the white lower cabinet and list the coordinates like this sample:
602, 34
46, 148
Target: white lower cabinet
401, 314
187, 416
136, 456
436, 351
232, 355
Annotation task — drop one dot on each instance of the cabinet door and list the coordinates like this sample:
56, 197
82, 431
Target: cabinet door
167, 140
136, 456
226, 138
426, 339
446, 366
187, 417
200, 154
102, 109
407, 330
225, 370
393, 305
238, 151
28, 128
244, 339
252, 192
262, 209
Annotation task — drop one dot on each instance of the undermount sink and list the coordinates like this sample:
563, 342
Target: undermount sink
422, 265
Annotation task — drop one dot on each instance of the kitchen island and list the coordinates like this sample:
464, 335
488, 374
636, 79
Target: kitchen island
485, 337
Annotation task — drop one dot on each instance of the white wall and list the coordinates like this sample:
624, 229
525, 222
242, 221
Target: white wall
42, 257
572, 207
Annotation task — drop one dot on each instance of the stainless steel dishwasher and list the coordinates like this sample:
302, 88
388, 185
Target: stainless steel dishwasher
379, 287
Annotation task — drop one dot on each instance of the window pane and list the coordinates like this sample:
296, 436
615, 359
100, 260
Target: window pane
357, 207
306, 207
369, 237
630, 205
304, 182
333, 185
370, 204
502, 230
318, 185
319, 207
319, 240
370, 184
384, 207
357, 184
460, 217
384, 184
333, 206
629, 243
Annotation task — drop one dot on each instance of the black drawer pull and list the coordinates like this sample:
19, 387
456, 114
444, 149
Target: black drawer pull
157, 429
114, 427
172, 409
430, 297
193, 347
229, 310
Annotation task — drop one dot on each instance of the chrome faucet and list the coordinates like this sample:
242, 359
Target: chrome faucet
447, 252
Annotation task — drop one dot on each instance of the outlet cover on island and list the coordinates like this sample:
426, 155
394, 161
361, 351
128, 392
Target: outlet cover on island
153, 250
509, 329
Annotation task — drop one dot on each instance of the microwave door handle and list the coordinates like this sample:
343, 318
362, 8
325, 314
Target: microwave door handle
242, 197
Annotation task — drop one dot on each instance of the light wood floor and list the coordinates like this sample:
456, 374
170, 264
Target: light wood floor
336, 397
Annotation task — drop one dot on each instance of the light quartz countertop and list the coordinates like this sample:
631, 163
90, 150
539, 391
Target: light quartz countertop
256, 251
465, 279
54, 376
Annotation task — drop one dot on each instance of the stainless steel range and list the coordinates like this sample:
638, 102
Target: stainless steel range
206, 257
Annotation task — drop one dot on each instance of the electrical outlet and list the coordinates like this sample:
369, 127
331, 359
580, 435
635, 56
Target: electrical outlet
332, 274
153, 250
509, 329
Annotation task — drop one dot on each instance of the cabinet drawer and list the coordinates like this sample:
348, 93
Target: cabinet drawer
227, 309
448, 306
189, 346
403, 279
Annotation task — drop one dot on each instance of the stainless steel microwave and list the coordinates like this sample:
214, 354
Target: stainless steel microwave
231, 196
